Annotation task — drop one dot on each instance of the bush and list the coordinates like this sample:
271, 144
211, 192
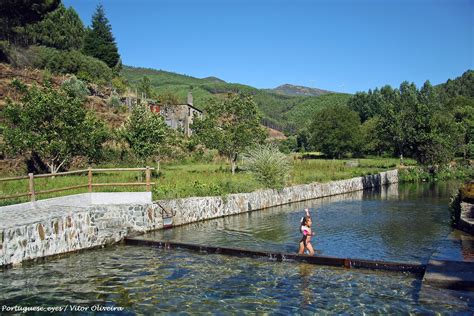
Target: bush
75, 88
268, 165
114, 100
71, 62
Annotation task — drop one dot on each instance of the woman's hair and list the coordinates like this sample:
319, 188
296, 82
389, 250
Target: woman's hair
304, 220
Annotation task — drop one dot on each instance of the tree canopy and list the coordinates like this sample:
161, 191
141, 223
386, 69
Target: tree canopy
52, 125
430, 124
99, 41
14, 13
145, 132
335, 131
61, 29
230, 126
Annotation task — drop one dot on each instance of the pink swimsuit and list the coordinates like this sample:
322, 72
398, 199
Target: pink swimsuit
306, 235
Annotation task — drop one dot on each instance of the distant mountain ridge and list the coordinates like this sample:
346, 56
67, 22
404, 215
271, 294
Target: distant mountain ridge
289, 89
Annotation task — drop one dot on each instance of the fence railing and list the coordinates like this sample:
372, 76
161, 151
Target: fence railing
90, 185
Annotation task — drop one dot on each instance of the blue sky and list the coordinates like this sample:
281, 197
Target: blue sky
337, 45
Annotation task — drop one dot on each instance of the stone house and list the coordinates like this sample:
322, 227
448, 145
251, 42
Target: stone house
178, 116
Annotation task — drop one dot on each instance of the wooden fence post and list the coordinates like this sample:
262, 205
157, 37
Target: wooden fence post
147, 178
32, 187
89, 179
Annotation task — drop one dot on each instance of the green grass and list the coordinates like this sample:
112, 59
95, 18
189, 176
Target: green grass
324, 170
200, 179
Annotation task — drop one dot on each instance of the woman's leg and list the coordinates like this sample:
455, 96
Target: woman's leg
301, 249
310, 248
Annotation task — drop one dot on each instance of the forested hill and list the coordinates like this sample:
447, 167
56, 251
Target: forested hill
280, 111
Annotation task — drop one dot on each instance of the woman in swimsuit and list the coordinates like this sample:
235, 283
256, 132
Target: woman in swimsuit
305, 228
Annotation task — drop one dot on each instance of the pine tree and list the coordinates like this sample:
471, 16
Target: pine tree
99, 41
15, 13
61, 29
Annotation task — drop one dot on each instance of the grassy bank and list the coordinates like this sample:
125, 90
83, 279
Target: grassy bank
202, 179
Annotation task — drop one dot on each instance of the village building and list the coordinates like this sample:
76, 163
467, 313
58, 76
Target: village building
178, 116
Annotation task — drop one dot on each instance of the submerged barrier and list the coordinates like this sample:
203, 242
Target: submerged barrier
418, 269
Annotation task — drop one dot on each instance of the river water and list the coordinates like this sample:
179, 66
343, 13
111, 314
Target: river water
399, 223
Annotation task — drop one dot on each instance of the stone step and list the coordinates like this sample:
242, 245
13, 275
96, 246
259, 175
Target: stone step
456, 275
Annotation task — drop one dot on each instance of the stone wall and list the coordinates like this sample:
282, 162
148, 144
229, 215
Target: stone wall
54, 226
34, 230
466, 220
190, 210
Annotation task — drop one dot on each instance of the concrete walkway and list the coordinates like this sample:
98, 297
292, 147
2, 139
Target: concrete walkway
452, 265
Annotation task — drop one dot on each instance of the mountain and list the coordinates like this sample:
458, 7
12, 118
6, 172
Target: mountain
288, 89
281, 111
214, 79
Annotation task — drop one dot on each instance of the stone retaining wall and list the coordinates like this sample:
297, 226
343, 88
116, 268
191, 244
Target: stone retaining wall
190, 210
30, 231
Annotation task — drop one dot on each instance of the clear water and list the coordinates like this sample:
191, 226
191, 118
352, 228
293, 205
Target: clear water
402, 223
145, 280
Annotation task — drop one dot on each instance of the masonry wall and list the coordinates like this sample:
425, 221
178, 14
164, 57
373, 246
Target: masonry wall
30, 231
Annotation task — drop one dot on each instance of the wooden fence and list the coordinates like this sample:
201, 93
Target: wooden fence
32, 190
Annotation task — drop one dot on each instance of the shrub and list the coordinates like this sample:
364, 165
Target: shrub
268, 165
73, 62
114, 100
75, 88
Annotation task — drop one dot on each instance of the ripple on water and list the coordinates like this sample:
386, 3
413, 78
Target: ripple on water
146, 280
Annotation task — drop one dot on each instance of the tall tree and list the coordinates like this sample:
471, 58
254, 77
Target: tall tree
14, 13
99, 41
230, 126
335, 131
462, 108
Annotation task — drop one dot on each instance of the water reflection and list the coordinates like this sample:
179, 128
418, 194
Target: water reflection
393, 223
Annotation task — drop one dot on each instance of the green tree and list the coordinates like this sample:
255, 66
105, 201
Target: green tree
230, 126
392, 123
145, 133
432, 132
462, 109
99, 41
367, 104
372, 143
119, 84
54, 126
144, 88
15, 13
335, 131
61, 29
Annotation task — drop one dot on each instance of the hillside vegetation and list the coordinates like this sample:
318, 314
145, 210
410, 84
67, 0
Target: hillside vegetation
286, 112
